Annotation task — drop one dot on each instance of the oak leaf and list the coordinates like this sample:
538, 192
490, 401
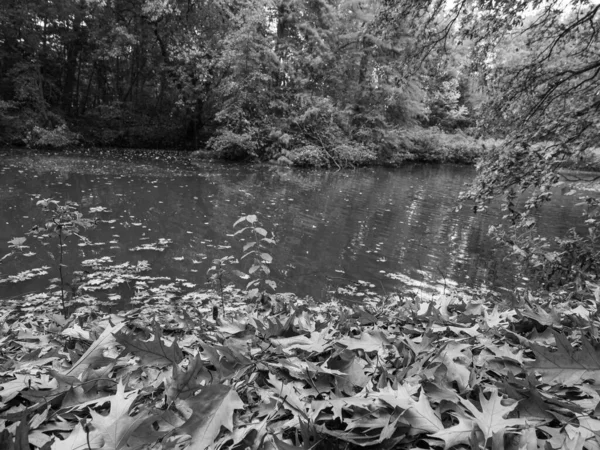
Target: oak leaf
371, 341
567, 365
95, 353
115, 429
318, 342
456, 434
154, 352
491, 419
212, 409
79, 439
186, 382
421, 417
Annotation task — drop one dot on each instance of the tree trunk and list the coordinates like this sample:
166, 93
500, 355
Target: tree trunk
73, 48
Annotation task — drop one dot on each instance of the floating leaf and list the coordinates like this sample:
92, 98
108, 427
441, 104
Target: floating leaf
17, 242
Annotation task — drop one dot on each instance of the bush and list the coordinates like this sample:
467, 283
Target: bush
309, 156
347, 155
59, 137
233, 146
434, 145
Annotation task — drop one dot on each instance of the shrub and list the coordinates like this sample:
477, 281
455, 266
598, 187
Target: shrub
230, 145
59, 137
309, 156
347, 155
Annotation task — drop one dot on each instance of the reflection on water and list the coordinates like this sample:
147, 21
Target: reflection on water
332, 228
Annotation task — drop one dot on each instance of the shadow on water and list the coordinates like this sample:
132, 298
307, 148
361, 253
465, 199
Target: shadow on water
389, 227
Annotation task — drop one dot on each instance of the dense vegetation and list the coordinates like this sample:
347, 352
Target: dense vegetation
323, 84
319, 83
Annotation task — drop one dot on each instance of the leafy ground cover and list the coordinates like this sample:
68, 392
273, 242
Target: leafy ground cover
461, 370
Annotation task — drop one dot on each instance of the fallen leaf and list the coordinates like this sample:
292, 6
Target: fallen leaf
491, 419
211, 409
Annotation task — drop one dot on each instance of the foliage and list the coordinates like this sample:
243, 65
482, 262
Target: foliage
151, 74
59, 137
352, 155
230, 145
256, 249
216, 275
309, 156
537, 66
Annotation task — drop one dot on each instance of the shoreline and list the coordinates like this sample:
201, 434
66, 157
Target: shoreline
589, 162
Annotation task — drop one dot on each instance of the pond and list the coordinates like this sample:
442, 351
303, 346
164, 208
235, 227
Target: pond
391, 228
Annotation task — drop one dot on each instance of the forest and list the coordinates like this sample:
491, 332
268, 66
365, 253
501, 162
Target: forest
323, 84
225, 359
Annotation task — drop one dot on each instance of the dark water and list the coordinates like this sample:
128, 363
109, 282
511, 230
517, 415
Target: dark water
387, 227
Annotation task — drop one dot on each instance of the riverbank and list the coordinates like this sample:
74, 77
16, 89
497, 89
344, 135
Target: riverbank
395, 148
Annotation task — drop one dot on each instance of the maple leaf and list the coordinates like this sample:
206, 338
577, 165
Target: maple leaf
567, 365
212, 409
491, 419
153, 352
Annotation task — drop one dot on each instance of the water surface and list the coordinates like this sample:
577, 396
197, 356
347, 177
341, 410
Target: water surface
387, 227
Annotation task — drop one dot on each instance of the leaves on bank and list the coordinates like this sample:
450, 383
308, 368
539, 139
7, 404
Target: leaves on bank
458, 372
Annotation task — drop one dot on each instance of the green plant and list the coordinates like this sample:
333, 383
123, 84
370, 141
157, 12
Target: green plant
256, 249
64, 221
216, 274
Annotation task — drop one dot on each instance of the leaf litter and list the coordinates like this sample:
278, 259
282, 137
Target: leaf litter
458, 371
